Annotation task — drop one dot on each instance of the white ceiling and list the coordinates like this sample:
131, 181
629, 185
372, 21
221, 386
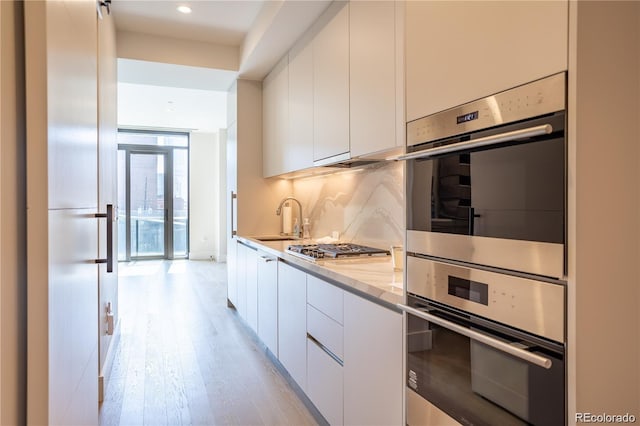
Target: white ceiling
153, 94
215, 21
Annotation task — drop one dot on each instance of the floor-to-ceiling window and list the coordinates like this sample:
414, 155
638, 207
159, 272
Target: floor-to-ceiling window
153, 195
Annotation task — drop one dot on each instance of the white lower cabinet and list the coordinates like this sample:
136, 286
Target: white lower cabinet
232, 272
251, 266
324, 383
268, 301
344, 351
241, 280
292, 322
325, 348
373, 379
247, 285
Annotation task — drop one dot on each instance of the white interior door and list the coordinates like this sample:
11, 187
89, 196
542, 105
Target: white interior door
62, 197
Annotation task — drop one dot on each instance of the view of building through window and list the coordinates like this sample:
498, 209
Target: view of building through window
153, 191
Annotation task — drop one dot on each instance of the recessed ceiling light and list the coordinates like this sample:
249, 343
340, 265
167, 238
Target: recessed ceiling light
184, 9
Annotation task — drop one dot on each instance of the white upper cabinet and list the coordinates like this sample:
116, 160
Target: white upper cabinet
459, 51
372, 80
299, 153
275, 113
331, 83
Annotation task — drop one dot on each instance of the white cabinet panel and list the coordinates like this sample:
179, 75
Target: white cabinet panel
241, 305
459, 51
251, 266
299, 153
373, 379
372, 82
292, 322
268, 301
325, 330
72, 318
62, 194
326, 297
275, 113
232, 272
70, 98
324, 386
331, 83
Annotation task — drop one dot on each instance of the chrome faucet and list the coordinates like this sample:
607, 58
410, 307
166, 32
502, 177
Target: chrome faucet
279, 211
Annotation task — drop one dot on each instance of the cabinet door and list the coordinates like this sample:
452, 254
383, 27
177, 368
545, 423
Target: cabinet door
241, 305
61, 324
275, 116
251, 266
324, 386
331, 83
372, 79
292, 322
232, 272
372, 339
268, 301
464, 50
299, 153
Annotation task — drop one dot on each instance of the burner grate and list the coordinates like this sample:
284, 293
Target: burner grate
334, 251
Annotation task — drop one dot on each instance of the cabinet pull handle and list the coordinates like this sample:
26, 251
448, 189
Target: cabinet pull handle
234, 232
544, 129
325, 349
109, 216
267, 259
479, 337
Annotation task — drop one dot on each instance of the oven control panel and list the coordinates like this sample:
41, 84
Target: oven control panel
537, 98
533, 306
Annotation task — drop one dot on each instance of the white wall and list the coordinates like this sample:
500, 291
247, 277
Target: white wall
223, 196
205, 111
176, 51
204, 196
143, 105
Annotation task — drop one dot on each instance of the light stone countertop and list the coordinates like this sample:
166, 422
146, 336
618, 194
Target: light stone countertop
371, 277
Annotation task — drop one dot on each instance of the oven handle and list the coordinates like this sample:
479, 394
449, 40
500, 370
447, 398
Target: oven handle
479, 337
543, 129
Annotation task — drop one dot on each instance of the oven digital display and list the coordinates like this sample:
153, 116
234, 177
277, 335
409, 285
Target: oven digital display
467, 117
469, 290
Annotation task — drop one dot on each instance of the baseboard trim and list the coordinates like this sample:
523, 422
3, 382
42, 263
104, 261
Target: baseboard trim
300, 393
202, 255
105, 373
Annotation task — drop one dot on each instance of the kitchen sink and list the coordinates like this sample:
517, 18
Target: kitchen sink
276, 238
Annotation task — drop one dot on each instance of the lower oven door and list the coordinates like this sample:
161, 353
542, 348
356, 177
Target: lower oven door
479, 372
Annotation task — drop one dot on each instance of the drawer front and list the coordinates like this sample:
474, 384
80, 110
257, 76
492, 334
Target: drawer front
325, 330
324, 384
325, 297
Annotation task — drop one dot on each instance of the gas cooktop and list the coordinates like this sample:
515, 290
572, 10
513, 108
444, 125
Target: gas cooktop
315, 252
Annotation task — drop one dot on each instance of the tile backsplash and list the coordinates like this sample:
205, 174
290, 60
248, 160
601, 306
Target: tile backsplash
364, 205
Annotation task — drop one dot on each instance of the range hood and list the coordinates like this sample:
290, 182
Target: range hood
344, 162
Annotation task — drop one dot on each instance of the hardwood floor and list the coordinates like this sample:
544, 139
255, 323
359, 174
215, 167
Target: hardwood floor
185, 358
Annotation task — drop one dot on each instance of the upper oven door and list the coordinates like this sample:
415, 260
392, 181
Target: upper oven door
499, 202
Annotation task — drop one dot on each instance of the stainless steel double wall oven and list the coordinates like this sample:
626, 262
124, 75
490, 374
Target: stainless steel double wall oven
486, 290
